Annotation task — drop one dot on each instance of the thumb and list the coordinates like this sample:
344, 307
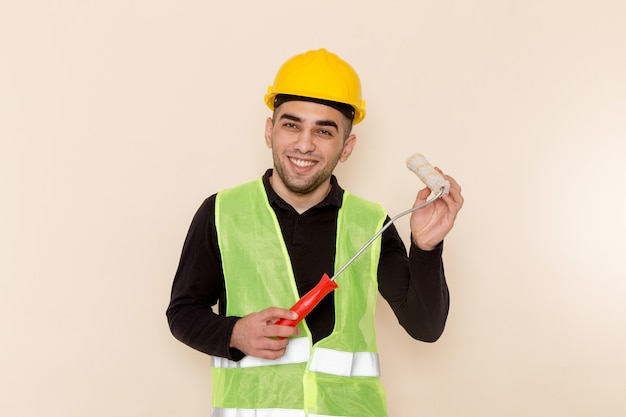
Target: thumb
422, 195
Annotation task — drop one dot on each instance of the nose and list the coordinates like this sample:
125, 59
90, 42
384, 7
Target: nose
304, 142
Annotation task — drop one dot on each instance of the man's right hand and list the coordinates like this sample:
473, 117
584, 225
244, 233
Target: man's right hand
257, 335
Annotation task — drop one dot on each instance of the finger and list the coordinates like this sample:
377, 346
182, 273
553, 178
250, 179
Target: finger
272, 314
448, 177
453, 184
455, 192
453, 202
270, 354
422, 195
268, 348
273, 343
280, 330
283, 331
455, 189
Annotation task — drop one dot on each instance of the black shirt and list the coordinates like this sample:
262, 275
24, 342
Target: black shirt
414, 286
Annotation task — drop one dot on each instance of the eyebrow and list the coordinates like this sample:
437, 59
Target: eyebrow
329, 123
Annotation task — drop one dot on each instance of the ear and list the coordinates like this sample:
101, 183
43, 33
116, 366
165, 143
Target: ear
269, 127
348, 147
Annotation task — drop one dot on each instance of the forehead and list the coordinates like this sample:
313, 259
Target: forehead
310, 112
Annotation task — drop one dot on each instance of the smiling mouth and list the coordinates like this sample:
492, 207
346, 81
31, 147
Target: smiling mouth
302, 163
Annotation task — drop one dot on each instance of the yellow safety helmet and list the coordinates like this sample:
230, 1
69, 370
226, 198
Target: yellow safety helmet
319, 75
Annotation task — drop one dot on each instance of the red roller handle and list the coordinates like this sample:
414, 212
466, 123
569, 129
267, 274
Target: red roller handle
308, 302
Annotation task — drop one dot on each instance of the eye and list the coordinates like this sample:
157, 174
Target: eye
325, 132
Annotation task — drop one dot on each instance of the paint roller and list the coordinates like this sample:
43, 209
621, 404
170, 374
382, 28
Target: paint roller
427, 173
431, 178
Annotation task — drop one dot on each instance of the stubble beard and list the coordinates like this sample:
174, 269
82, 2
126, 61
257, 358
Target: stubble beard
302, 186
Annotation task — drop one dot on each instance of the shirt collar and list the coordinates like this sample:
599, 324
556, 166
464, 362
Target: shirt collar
334, 197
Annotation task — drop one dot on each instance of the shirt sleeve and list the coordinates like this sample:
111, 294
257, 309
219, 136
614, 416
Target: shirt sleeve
415, 286
198, 286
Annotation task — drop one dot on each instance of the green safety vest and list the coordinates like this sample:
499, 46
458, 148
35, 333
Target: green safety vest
340, 374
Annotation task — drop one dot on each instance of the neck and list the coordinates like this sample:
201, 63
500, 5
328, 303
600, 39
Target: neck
300, 202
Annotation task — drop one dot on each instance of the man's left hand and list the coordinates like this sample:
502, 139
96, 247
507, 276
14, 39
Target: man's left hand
431, 224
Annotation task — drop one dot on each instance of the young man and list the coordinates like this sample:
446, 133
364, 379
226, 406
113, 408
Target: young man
298, 224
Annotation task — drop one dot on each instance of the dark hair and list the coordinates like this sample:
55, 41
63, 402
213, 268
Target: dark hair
345, 109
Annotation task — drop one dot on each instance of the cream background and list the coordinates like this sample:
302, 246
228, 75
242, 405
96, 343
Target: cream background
117, 118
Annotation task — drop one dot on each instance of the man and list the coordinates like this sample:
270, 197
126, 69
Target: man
257, 248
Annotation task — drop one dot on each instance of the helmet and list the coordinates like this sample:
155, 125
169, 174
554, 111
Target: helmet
321, 75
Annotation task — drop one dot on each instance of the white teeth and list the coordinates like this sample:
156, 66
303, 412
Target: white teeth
301, 163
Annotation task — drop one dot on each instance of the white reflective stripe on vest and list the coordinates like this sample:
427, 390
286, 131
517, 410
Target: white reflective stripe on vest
322, 415
262, 412
340, 363
328, 361
259, 412
298, 351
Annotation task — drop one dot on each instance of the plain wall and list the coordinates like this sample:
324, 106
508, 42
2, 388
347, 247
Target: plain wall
117, 118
